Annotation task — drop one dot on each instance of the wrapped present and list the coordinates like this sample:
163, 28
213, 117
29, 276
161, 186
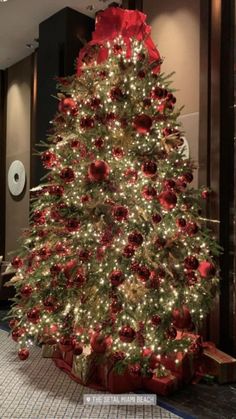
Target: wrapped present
218, 364
84, 365
68, 357
162, 385
181, 364
103, 369
51, 351
123, 383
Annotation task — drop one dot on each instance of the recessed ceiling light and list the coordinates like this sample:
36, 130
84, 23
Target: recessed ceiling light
3, 1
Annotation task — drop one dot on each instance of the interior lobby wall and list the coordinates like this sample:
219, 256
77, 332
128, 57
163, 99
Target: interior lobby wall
18, 133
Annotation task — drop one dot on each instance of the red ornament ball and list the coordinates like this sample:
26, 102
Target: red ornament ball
116, 94
128, 251
67, 174
98, 171
78, 349
135, 239
149, 168
191, 263
149, 193
85, 255
73, 225
205, 194
87, 122
182, 318
33, 315
118, 152
127, 334
17, 333
168, 200
17, 262
48, 159
67, 105
142, 123
156, 320
99, 143
23, 354
171, 333
169, 184
181, 222
120, 213
50, 304
13, 323
116, 277
156, 218
39, 217
206, 269
192, 228
26, 290
143, 273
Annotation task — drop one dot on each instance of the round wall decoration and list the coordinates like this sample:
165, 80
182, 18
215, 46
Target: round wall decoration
16, 178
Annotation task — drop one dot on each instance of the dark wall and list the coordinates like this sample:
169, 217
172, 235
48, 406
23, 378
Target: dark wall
60, 38
2, 158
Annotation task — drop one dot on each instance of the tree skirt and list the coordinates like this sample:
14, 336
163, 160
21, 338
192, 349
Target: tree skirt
36, 388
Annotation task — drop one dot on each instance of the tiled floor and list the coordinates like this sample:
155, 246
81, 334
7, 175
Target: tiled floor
203, 401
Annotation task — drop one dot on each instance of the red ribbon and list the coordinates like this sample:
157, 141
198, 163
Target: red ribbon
113, 22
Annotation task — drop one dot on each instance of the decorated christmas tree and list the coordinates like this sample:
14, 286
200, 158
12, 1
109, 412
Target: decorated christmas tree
117, 257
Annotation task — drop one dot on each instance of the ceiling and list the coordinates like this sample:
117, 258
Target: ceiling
19, 21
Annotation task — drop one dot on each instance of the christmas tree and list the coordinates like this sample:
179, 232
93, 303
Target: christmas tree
116, 255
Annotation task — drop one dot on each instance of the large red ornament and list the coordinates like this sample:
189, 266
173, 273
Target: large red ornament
149, 193
49, 159
23, 354
98, 171
135, 239
17, 333
143, 273
182, 318
149, 168
100, 343
187, 177
142, 123
168, 200
206, 269
118, 152
116, 277
67, 174
191, 263
33, 315
67, 105
26, 290
120, 213
127, 334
